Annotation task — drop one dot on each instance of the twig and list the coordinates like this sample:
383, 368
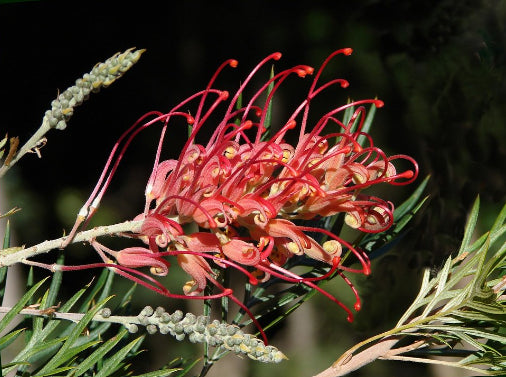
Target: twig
347, 364
401, 350
436, 362
12, 256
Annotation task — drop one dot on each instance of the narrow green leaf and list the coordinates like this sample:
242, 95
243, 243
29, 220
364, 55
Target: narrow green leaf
41, 349
98, 354
38, 322
470, 226
3, 142
491, 308
73, 351
348, 113
3, 270
412, 201
59, 358
406, 218
268, 113
159, 373
96, 288
7, 339
7, 236
480, 275
441, 285
12, 365
480, 316
51, 325
238, 106
456, 301
127, 297
478, 243
458, 331
470, 341
114, 362
499, 221
497, 233
367, 123
56, 281
9, 316
377, 244
54, 372
424, 289
188, 368
106, 290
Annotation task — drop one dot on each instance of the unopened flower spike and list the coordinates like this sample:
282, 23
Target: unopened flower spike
101, 76
62, 108
200, 329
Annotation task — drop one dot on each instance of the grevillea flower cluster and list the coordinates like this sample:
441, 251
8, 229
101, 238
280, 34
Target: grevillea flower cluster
247, 192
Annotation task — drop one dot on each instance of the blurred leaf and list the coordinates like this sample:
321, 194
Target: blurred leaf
459, 305
367, 123
98, 354
115, 362
470, 226
268, 114
159, 373
188, 368
3, 270
9, 316
7, 214
7, 339
64, 353
38, 344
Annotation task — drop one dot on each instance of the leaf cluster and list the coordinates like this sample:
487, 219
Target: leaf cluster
464, 304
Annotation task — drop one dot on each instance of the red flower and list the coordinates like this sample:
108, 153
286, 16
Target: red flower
243, 191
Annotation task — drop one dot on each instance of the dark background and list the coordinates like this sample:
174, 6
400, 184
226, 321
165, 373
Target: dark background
439, 67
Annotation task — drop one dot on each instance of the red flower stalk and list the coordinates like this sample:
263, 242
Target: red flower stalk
243, 190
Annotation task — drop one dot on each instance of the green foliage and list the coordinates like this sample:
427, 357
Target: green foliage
79, 347
461, 312
465, 302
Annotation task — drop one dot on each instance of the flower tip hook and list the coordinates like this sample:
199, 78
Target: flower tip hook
347, 51
303, 72
190, 120
253, 280
379, 103
408, 174
291, 124
277, 55
247, 125
224, 95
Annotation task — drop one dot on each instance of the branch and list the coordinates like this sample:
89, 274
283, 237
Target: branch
348, 362
15, 255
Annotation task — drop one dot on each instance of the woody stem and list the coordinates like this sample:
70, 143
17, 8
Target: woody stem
13, 256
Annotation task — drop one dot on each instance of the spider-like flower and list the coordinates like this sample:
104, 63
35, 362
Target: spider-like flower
249, 191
